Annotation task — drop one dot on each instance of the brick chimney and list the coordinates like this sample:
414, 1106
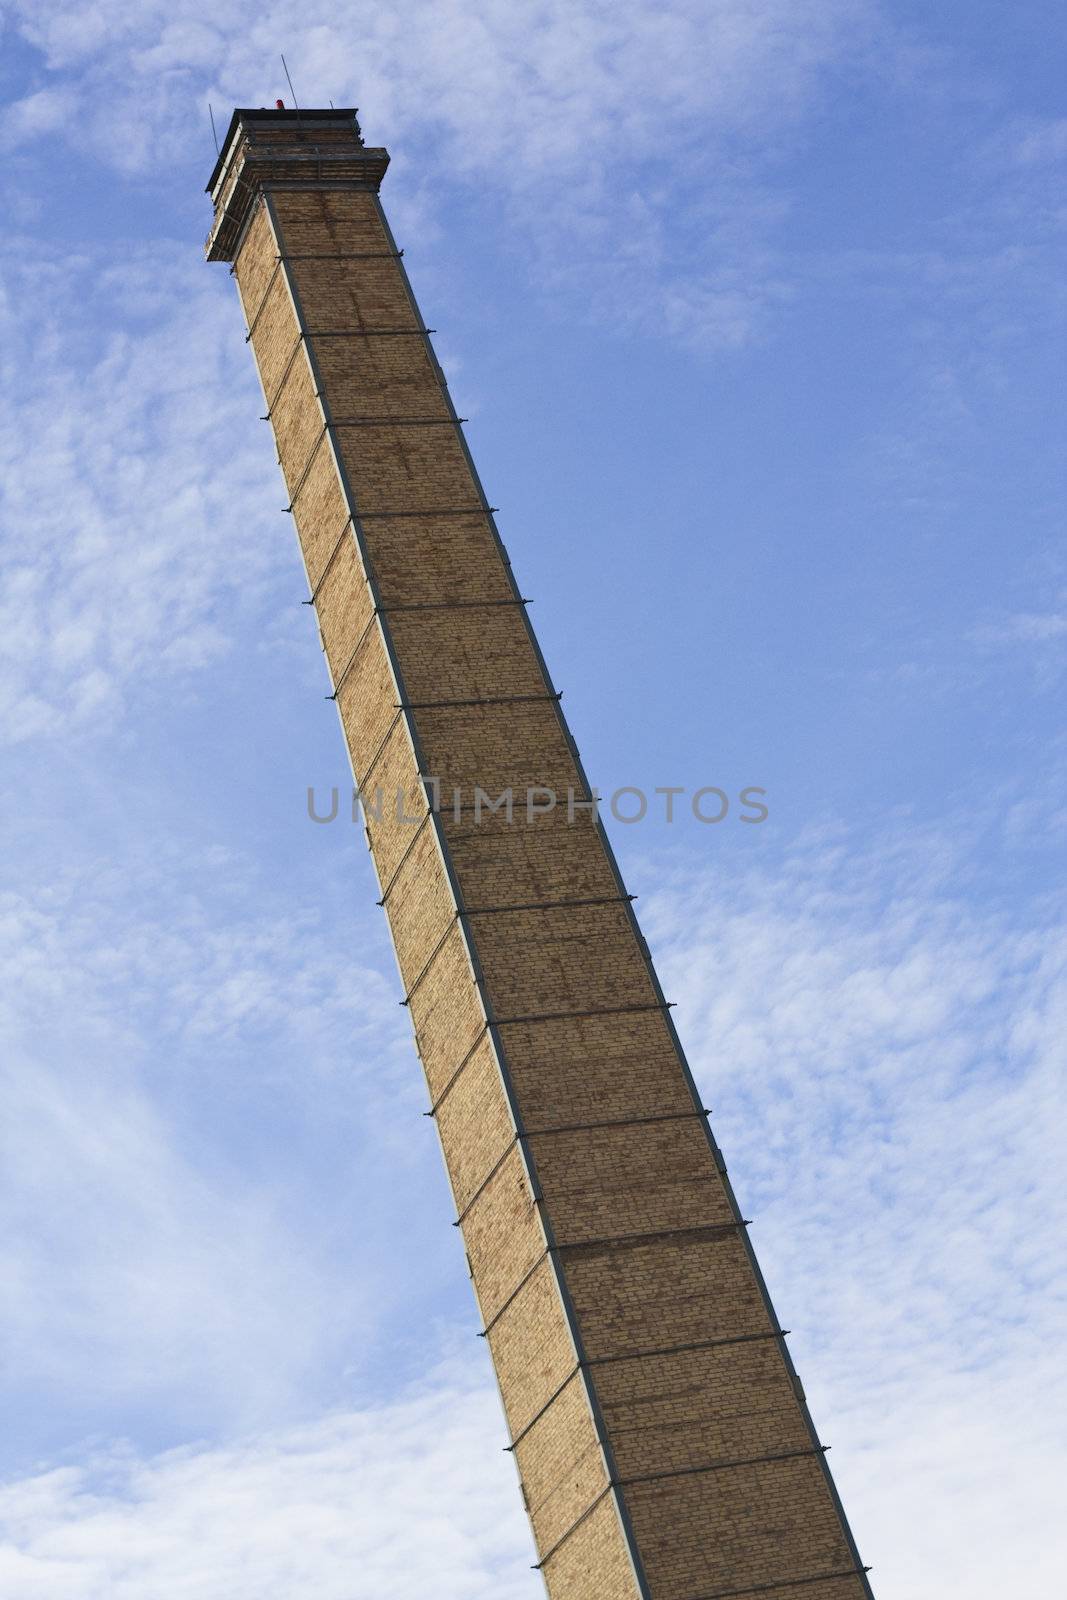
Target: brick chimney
659, 1429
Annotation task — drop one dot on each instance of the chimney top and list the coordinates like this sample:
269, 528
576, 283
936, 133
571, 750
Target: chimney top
294, 148
278, 115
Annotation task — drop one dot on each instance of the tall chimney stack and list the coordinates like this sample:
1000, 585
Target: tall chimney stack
659, 1429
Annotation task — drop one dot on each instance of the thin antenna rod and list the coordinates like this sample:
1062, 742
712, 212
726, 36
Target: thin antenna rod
214, 135
292, 91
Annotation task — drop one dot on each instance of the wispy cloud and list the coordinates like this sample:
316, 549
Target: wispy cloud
204, 1086
124, 454
561, 111
1037, 640
163, 1245
518, 88
1029, 142
1028, 627
374, 1504
886, 1061
34, 115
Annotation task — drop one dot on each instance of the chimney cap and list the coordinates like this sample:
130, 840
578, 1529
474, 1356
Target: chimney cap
330, 116
293, 149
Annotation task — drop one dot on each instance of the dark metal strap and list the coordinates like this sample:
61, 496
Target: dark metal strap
366, 333
722, 1230
618, 1483
725, 1466
361, 783
363, 422
614, 1122
464, 824
454, 1079
486, 1181
397, 422
485, 700
329, 562
407, 851
351, 660
594, 1011
523, 1281
283, 380
574, 1127
517, 1438
544, 1016
450, 511
782, 1583
344, 255
590, 1508
455, 605
263, 300
300, 482
304, 334
637, 1355
684, 1349
428, 963
481, 911
548, 905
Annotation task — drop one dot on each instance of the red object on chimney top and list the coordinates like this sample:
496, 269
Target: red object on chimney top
280, 104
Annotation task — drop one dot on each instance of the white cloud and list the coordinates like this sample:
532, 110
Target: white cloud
130, 1274
132, 483
518, 87
153, 1251
1036, 638
885, 1060
1038, 625
560, 109
34, 115
1037, 143
884, 1050
884, 1056
411, 1498
1028, 627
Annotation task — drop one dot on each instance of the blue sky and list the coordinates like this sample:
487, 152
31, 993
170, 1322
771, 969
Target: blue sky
756, 309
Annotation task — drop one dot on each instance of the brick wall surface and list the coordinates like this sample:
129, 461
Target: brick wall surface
662, 1443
